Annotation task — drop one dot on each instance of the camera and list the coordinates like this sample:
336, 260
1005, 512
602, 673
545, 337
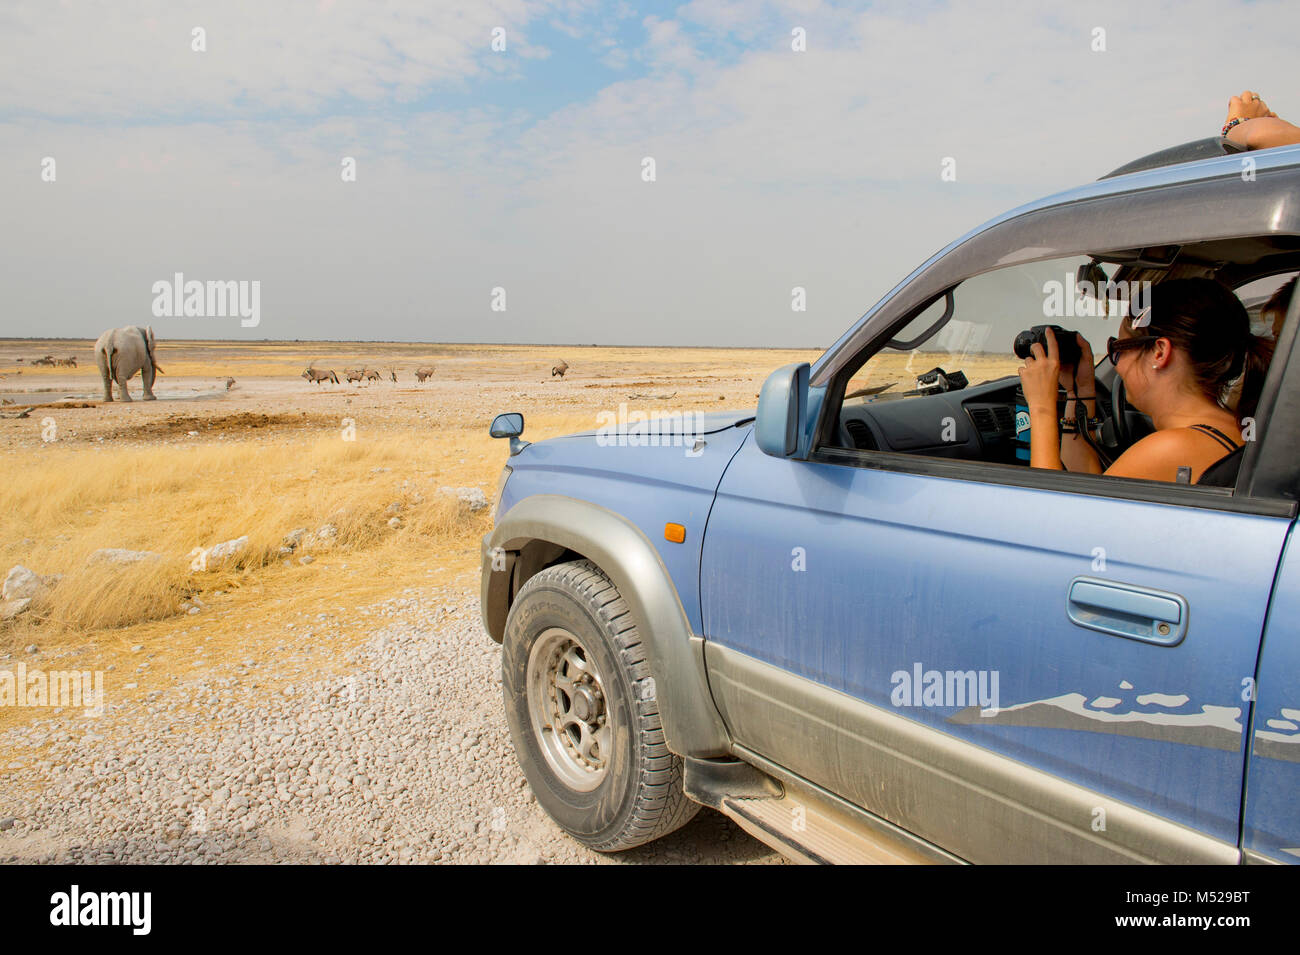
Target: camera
1067, 345
936, 380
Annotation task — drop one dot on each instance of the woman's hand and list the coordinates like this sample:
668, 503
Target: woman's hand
1041, 375
1247, 106
1080, 380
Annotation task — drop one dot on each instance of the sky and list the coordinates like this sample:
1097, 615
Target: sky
502, 191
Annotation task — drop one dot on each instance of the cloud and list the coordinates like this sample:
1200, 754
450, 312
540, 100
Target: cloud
775, 168
137, 62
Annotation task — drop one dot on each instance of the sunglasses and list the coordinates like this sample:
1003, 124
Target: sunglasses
1116, 345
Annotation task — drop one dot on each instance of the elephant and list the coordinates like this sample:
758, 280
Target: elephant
120, 353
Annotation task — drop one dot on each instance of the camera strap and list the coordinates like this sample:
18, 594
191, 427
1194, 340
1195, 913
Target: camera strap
1082, 424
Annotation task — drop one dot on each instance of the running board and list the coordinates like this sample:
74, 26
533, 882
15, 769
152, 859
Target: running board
798, 821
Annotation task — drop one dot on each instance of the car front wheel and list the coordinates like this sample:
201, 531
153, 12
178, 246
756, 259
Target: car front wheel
584, 714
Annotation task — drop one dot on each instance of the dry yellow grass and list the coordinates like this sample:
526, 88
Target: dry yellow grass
171, 500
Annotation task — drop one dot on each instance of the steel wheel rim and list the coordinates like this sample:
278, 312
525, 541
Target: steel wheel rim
567, 709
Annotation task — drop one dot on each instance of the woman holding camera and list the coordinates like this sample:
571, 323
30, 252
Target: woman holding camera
1178, 359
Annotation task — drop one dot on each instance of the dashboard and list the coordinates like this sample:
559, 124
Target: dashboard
977, 423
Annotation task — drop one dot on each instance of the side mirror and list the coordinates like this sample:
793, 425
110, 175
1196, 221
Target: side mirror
509, 425
781, 407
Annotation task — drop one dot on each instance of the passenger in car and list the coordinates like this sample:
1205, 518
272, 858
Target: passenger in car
1274, 310
1272, 314
1177, 360
1252, 124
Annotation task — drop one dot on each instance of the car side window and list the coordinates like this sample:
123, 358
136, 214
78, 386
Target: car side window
945, 383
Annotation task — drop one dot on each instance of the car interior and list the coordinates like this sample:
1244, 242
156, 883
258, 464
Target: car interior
945, 383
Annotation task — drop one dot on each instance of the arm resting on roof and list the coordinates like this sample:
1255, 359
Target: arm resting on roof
1264, 132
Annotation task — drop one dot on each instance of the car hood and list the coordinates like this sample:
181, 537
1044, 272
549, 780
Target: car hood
632, 422
690, 450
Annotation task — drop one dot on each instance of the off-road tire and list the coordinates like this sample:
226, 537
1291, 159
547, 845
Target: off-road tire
639, 796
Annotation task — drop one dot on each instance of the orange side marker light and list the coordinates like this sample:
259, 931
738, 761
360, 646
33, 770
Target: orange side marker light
675, 533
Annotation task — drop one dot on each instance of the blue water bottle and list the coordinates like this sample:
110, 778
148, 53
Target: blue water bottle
1022, 427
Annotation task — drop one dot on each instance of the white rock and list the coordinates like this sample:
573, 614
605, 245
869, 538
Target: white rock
471, 497
22, 583
12, 608
220, 553
119, 555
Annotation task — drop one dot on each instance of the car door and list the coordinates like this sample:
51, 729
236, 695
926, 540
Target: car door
1063, 725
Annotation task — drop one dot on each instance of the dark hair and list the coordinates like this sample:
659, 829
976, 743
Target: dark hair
1208, 322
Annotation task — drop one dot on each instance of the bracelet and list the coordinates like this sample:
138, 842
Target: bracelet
1228, 125
1071, 425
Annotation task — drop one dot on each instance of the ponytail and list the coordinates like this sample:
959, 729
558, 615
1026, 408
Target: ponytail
1255, 362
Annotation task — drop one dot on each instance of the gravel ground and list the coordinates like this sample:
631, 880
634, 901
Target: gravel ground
402, 755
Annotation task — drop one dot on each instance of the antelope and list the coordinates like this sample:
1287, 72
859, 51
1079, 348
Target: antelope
316, 377
354, 374
371, 375
423, 372
559, 369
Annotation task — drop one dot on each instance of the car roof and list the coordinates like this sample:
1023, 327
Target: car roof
1211, 148
1150, 172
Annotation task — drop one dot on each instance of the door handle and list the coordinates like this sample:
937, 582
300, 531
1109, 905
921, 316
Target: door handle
1124, 610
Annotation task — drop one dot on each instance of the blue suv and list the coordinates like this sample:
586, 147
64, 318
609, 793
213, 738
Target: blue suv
859, 624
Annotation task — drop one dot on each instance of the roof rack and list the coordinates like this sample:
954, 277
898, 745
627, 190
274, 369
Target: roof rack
1213, 148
